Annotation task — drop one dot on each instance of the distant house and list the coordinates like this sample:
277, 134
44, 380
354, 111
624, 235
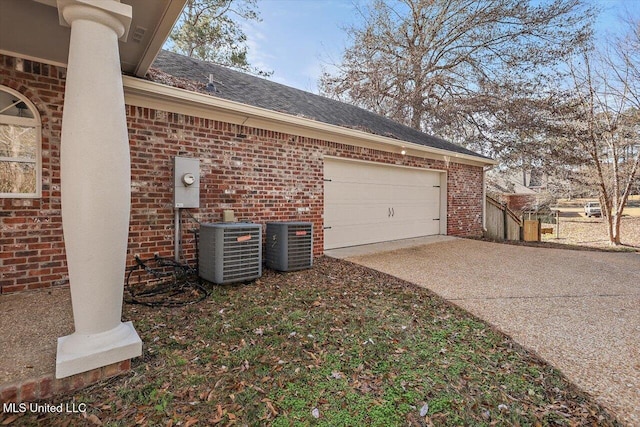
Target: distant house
100, 127
519, 192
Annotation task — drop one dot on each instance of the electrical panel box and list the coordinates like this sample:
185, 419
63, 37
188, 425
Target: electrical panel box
186, 182
289, 245
230, 252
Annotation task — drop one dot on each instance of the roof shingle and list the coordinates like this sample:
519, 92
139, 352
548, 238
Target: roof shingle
259, 92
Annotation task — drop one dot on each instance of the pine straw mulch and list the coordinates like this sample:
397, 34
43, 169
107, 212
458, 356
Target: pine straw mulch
337, 344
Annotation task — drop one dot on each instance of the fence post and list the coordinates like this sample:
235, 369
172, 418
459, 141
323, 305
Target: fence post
505, 221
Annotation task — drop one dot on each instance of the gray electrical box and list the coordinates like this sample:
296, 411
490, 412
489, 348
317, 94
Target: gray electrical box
186, 182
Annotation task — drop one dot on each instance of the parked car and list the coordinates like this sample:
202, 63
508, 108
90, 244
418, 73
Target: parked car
592, 209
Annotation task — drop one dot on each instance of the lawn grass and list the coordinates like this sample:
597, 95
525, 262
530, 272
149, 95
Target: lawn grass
337, 345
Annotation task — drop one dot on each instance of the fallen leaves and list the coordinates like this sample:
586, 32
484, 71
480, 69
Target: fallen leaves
337, 342
10, 419
270, 406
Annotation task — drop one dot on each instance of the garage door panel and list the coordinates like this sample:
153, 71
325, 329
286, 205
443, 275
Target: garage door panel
342, 237
359, 193
410, 213
410, 228
369, 203
405, 196
344, 214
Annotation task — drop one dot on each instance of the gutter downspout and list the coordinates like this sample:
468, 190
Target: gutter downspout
177, 247
485, 169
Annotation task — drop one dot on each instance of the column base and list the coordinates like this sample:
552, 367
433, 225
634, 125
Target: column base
82, 352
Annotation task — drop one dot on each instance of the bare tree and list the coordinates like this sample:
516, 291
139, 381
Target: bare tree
450, 66
208, 29
604, 123
624, 60
17, 142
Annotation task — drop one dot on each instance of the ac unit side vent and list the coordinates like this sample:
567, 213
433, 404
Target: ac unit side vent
230, 252
289, 245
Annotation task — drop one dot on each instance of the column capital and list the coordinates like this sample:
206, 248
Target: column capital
111, 13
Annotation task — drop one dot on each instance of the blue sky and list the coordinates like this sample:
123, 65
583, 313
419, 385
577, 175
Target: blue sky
296, 38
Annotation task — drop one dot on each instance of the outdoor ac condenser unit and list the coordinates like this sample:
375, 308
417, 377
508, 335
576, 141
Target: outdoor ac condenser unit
230, 252
289, 245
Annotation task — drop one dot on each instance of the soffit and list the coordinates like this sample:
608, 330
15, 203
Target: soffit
31, 29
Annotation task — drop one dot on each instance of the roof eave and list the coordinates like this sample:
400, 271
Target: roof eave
32, 30
169, 18
144, 93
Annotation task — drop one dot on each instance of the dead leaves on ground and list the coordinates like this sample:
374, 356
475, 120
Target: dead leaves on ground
334, 341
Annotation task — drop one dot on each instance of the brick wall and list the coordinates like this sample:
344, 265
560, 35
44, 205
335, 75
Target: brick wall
32, 254
520, 202
261, 175
464, 200
47, 386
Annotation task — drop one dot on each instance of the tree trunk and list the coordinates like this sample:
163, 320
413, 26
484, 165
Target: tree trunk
615, 238
610, 226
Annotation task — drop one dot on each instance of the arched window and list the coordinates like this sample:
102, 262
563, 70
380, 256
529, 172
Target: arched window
20, 136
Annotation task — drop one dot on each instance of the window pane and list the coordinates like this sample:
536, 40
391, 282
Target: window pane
17, 177
18, 141
10, 105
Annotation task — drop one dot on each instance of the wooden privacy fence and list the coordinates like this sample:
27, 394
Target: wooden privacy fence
501, 222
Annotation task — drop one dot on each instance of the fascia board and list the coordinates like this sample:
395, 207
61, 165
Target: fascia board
160, 34
143, 93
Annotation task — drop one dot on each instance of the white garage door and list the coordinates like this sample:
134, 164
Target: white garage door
370, 202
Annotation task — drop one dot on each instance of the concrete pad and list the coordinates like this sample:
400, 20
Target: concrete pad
30, 324
351, 251
578, 310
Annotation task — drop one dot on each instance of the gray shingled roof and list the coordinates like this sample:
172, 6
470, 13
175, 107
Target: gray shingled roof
259, 92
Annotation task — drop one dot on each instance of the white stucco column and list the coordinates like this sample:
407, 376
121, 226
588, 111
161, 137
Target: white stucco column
96, 187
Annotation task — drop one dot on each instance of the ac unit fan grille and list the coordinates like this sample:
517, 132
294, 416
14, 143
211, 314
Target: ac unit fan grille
299, 246
289, 245
241, 254
230, 252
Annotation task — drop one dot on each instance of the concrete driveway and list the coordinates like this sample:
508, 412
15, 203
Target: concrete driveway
578, 310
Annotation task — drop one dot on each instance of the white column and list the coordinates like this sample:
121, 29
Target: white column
96, 187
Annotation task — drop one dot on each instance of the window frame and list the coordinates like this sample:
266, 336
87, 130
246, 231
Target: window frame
26, 122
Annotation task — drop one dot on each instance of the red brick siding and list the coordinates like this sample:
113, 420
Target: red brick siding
32, 254
47, 386
262, 175
464, 200
520, 202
